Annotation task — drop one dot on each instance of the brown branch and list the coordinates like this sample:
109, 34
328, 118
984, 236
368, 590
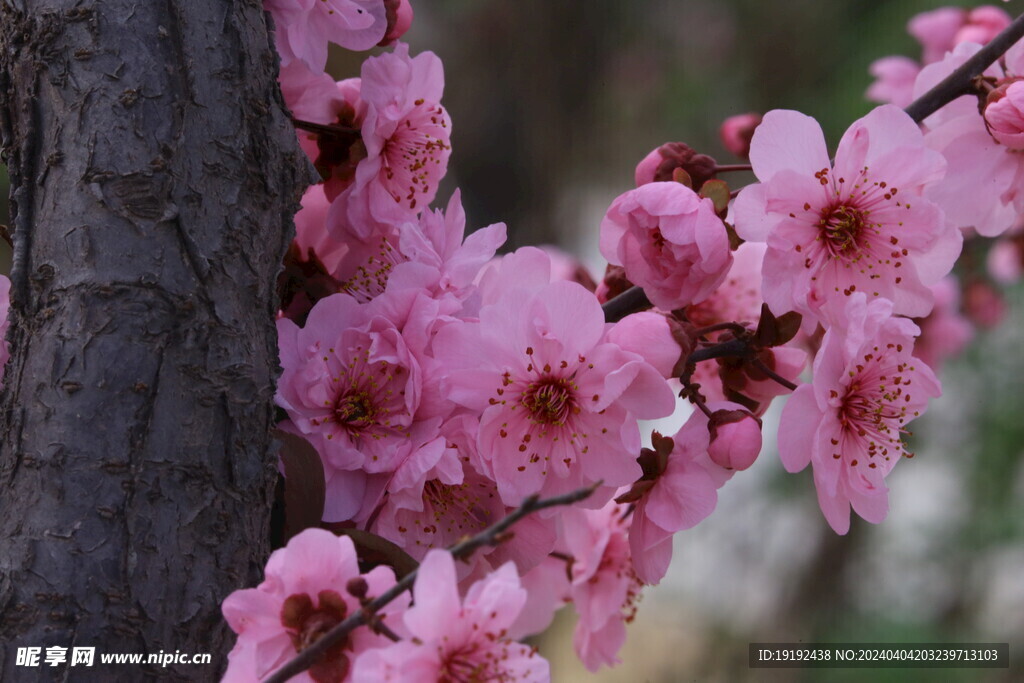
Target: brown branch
960, 81
633, 300
492, 535
324, 128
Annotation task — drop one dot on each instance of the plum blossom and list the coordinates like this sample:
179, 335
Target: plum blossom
848, 424
649, 334
938, 31
353, 384
438, 496
302, 597
457, 639
676, 493
605, 588
982, 187
429, 253
860, 226
670, 242
315, 98
894, 80
407, 136
558, 402
303, 28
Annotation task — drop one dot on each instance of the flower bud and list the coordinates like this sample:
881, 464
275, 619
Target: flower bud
662, 163
735, 439
399, 15
737, 131
357, 587
1004, 114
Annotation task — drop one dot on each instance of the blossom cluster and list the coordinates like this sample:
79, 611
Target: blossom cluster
442, 385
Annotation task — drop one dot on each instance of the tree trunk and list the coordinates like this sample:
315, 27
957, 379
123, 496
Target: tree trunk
153, 180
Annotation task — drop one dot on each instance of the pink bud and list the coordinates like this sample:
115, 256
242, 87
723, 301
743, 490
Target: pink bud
1004, 114
735, 439
737, 131
399, 15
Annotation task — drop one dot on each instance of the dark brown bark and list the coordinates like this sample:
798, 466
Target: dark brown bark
154, 175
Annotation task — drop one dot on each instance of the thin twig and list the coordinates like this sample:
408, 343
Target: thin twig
726, 168
959, 82
760, 365
492, 535
324, 128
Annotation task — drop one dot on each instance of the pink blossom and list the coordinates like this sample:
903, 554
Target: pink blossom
861, 226
945, 332
737, 131
936, 31
438, 496
1005, 115
311, 230
648, 334
605, 588
314, 97
559, 403
939, 31
894, 80
670, 242
303, 596
353, 384
428, 254
5, 323
983, 24
407, 136
664, 163
547, 588
456, 639
982, 186
847, 424
677, 493
565, 266
303, 28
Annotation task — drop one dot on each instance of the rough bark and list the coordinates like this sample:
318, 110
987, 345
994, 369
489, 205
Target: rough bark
154, 176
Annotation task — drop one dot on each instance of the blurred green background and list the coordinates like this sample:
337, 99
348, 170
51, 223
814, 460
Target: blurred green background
553, 103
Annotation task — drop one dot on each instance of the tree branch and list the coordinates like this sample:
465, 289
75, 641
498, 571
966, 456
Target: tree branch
959, 82
492, 535
632, 300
